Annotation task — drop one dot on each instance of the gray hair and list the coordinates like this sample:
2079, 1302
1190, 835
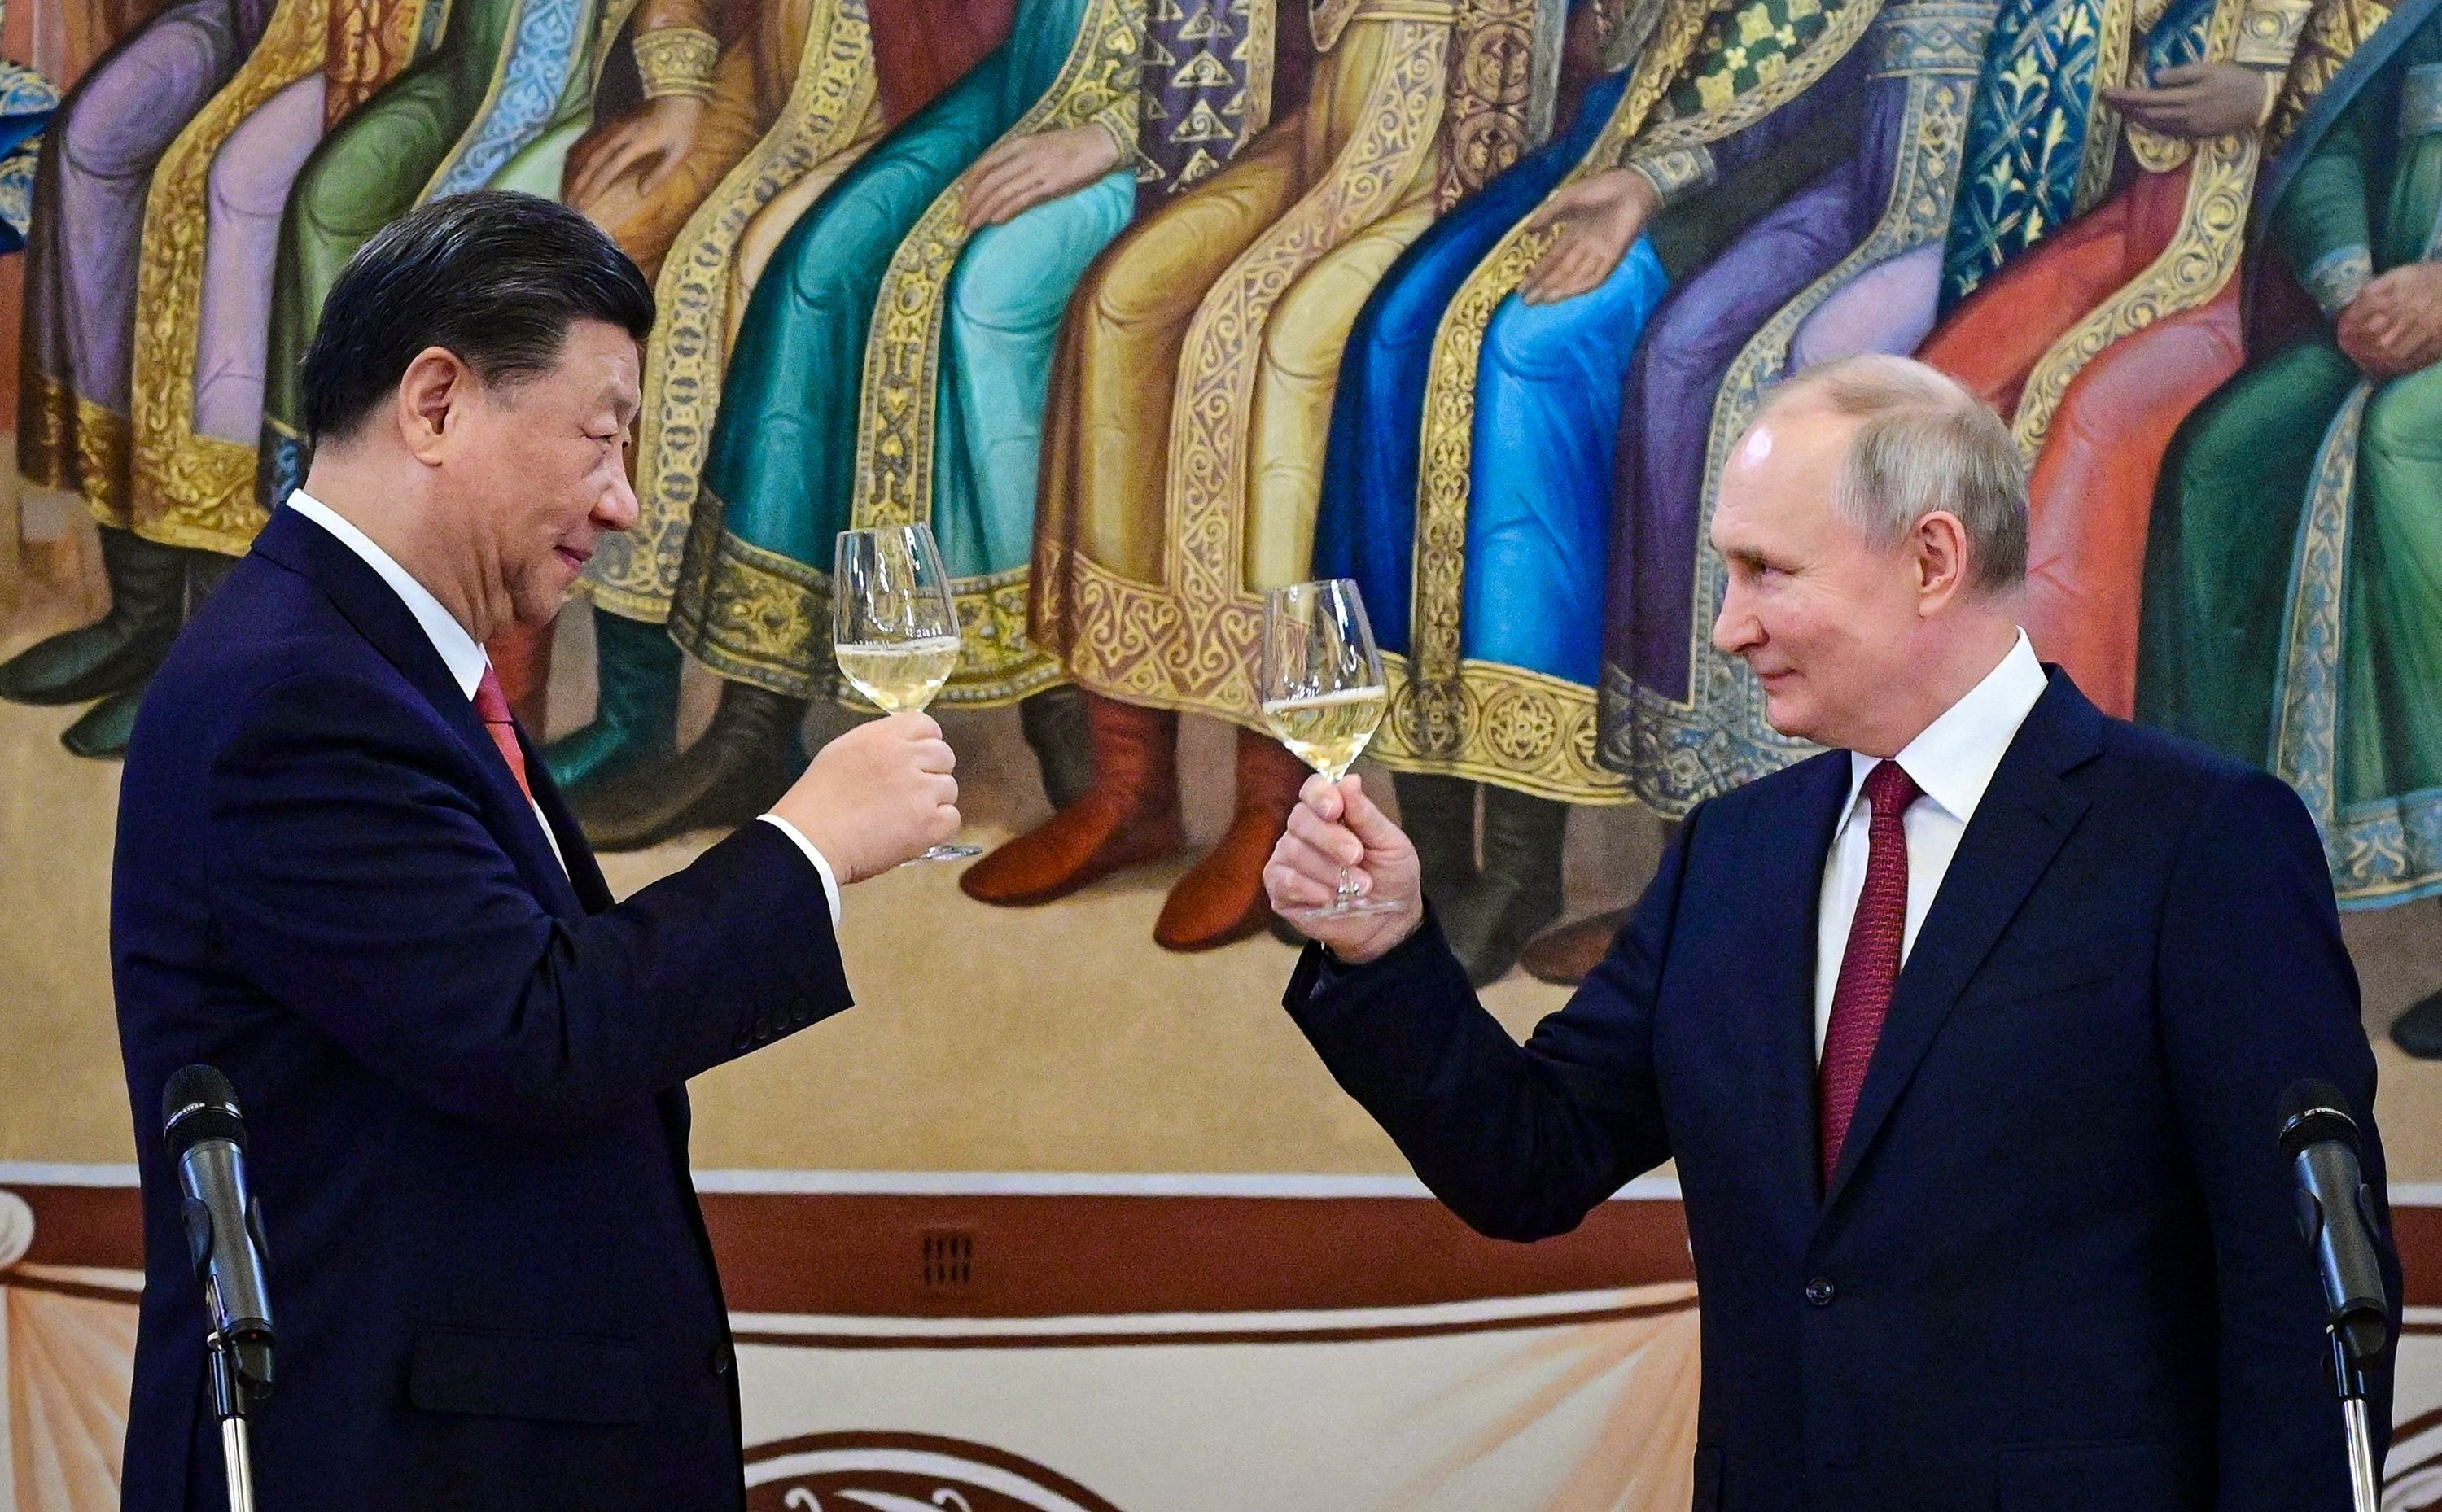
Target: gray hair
1925, 444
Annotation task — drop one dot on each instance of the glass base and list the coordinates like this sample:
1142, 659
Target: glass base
1346, 908
946, 853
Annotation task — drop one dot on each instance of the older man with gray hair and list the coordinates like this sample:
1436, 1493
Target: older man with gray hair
1968, 1035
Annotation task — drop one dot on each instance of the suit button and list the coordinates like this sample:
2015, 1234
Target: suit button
722, 1357
1820, 1291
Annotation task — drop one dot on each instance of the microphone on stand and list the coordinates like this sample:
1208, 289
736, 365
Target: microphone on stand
2319, 1138
205, 1139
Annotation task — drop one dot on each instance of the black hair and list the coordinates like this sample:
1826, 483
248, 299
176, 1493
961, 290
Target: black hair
497, 278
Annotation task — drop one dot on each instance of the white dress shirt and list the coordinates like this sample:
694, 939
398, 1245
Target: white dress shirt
1952, 760
467, 661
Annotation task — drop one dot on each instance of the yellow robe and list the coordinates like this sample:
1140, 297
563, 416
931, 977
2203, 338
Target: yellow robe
1160, 526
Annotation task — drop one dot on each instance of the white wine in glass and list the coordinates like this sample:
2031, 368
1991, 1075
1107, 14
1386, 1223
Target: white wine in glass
895, 624
1322, 692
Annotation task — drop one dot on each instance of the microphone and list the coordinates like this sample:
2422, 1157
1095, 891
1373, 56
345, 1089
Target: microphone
207, 1141
2336, 1214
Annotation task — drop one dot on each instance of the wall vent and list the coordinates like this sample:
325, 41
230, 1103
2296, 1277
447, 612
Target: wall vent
949, 1257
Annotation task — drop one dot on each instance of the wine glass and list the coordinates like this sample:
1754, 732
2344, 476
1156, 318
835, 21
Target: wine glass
1321, 686
895, 624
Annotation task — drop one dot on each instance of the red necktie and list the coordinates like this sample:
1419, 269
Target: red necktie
492, 707
1870, 969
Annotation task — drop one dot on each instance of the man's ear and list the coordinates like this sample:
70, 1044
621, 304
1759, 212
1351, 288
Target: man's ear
432, 398
1940, 545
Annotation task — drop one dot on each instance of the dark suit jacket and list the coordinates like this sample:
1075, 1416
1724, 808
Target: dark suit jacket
2058, 1267
462, 1070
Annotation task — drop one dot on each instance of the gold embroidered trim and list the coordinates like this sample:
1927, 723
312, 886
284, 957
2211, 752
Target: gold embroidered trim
2335, 31
2269, 32
1514, 728
757, 616
103, 441
1495, 64
190, 489
1190, 641
2123, 23
1447, 454
1676, 173
2200, 258
47, 420
830, 119
902, 381
676, 61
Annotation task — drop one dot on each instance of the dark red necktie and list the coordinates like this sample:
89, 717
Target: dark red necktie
1870, 969
492, 707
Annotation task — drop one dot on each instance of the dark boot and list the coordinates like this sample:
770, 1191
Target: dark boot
1223, 898
1438, 813
148, 592
636, 713
1055, 724
749, 756
1128, 815
1566, 955
103, 732
1518, 890
2420, 1031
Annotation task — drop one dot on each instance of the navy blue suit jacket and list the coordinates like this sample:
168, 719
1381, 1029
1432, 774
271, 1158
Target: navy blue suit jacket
462, 1070
2058, 1266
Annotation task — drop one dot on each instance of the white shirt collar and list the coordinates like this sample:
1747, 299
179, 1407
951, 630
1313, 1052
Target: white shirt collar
1952, 758
459, 651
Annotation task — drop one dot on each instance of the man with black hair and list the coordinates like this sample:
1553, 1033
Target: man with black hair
344, 878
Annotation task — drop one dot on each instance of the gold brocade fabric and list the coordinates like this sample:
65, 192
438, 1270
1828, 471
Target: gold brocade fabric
1158, 528
190, 489
828, 119
2335, 31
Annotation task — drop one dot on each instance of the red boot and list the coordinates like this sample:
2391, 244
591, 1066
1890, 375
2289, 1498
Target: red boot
1127, 817
1223, 898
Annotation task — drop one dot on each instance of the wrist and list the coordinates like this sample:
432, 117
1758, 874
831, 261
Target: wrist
677, 62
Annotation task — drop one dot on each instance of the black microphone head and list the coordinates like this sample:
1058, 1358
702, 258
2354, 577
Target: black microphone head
199, 1104
2313, 1111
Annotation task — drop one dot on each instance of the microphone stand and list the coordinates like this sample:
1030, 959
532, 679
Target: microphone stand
228, 1404
2364, 1475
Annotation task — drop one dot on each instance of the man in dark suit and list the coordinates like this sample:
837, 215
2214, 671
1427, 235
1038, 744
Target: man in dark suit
344, 878
1968, 1035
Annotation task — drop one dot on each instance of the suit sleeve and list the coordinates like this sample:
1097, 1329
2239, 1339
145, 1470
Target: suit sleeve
1521, 1141
354, 881
2257, 992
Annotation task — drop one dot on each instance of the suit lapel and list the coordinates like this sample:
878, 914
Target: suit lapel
2019, 827
584, 872
1786, 881
378, 613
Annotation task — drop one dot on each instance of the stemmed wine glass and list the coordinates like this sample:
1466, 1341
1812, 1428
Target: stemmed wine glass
1321, 690
895, 624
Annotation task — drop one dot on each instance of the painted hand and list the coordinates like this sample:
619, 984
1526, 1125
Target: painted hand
650, 146
2394, 327
1334, 829
1017, 176
1599, 220
2195, 100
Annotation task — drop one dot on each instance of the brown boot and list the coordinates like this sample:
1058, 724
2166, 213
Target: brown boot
1222, 899
1565, 955
1127, 817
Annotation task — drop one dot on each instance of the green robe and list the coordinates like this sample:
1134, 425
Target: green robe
496, 104
2293, 589
794, 455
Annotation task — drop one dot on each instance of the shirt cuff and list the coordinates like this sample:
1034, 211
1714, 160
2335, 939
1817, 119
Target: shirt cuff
830, 882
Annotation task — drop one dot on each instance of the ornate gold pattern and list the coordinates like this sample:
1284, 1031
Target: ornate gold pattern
830, 117
676, 61
370, 44
1433, 720
2269, 32
2123, 21
46, 420
1190, 643
104, 440
1490, 111
2201, 258
1676, 173
1678, 753
1516, 728
186, 489
757, 616
2335, 31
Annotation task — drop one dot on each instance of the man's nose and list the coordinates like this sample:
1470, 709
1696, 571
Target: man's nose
617, 508
1735, 630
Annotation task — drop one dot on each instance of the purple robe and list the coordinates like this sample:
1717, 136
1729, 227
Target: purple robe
1652, 643
87, 235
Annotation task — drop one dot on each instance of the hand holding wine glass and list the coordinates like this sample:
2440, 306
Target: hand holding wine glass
895, 624
1319, 679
